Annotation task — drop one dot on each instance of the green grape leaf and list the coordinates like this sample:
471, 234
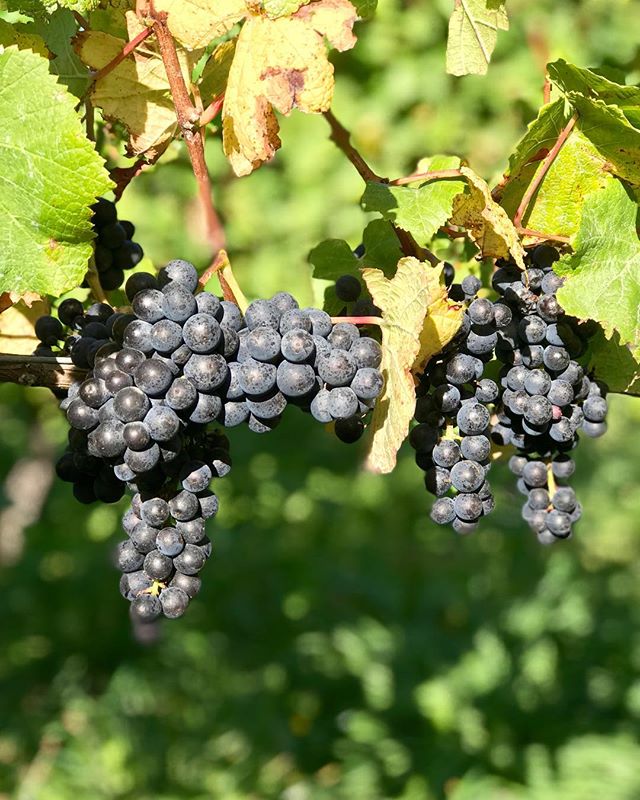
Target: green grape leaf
488, 224
39, 7
540, 137
473, 32
411, 334
333, 257
58, 30
365, 8
615, 364
556, 208
576, 80
602, 275
49, 173
420, 210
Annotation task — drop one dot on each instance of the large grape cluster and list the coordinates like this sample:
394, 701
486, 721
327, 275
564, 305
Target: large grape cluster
160, 377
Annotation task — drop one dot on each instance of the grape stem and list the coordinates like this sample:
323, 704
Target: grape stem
359, 320
542, 171
551, 481
188, 120
51, 372
211, 111
93, 279
126, 50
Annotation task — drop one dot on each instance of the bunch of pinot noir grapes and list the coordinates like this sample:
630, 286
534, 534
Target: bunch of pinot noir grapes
160, 377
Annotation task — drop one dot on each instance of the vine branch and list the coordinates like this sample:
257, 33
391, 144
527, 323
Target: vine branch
341, 137
436, 175
188, 120
544, 168
53, 373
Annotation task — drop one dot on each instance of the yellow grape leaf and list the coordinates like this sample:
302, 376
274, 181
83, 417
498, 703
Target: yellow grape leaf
195, 23
136, 92
488, 223
10, 35
403, 300
8, 299
473, 31
17, 323
280, 63
441, 324
216, 71
281, 8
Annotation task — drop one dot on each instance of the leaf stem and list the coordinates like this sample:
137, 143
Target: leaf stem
556, 237
188, 120
126, 50
341, 137
52, 372
93, 279
211, 111
435, 175
544, 168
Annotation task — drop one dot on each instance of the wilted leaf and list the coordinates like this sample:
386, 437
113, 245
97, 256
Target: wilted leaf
50, 174
404, 300
8, 299
280, 64
602, 275
487, 222
473, 32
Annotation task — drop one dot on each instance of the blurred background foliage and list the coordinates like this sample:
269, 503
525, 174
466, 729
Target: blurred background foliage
343, 646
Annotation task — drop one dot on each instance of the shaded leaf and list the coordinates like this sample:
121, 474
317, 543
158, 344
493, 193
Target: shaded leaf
49, 176
17, 333
404, 300
58, 30
615, 364
602, 275
488, 223
22, 38
541, 135
419, 209
280, 64
473, 32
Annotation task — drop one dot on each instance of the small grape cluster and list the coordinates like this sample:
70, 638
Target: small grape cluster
181, 361
115, 251
453, 411
547, 398
538, 402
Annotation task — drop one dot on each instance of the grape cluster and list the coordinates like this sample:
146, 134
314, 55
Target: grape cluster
159, 377
115, 250
547, 398
537, 400
453, 411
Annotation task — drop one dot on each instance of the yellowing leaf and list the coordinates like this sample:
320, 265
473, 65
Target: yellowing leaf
8, 299
195, 23
403, 300
135, 93
440, 326
487, 222
280, 63
473, 32
10, 35
17, 333
216, 71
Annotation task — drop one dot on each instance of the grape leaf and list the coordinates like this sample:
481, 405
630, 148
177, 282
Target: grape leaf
473, 32
58, 30
441, 324
17, 327
488, 224
365, 8
216, 71
280, 64
602, 275
540, 137
50, 173
21, 38
422, 209
404, 300
614, 364
576, 80
281, 8
556, 208
333, 257
39, 7
195, 23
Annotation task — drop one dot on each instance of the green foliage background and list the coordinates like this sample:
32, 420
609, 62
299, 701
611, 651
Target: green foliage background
343, 646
